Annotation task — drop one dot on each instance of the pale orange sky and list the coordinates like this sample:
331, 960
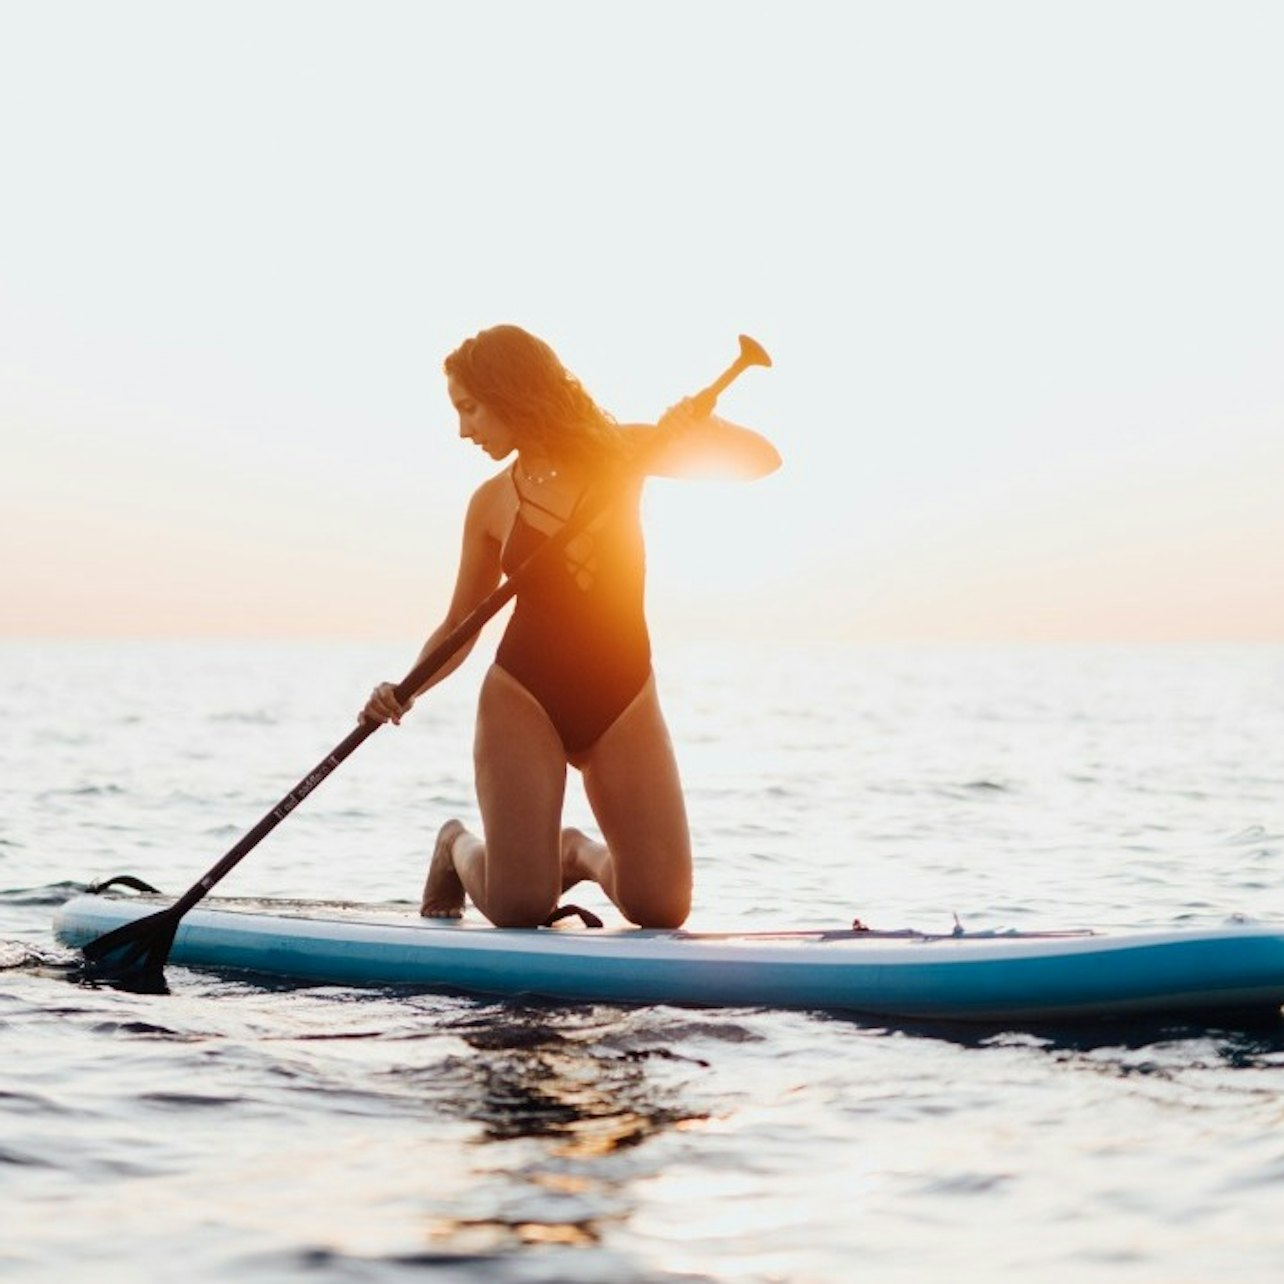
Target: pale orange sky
1018, 266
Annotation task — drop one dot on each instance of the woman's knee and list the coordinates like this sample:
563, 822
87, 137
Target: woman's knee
662, 909
519, 906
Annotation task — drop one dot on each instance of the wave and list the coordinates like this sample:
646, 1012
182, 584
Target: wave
20, 956
48, 894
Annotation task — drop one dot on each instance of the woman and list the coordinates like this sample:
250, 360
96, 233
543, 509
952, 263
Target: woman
571, 684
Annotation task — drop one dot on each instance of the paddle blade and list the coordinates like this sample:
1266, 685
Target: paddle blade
132, 956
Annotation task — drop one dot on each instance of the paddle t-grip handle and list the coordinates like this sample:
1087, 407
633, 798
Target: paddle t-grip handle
752, 353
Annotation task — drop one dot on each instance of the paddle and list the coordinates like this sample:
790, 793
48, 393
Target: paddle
133, 956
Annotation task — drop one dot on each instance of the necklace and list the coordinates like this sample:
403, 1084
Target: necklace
539, 479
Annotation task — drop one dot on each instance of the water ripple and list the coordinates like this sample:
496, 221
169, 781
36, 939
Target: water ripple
259, 1131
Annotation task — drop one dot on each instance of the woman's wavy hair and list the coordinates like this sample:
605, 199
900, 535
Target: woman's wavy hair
523, 381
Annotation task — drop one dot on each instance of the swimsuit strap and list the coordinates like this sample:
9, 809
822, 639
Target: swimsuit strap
523, 498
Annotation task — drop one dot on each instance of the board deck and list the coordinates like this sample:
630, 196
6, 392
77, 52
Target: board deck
974, 977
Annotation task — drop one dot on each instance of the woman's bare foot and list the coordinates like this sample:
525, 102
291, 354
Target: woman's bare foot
572, 870
582, 859
443, 892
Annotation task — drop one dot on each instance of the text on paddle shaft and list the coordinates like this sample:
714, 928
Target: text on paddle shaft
305, 787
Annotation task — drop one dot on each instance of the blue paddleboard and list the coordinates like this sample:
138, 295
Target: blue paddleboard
982, 976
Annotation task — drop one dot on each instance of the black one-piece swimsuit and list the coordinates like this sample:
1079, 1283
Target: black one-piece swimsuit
577, 639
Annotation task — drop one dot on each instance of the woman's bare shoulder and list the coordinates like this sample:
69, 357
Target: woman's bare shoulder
491, 508
638, 438
683, 445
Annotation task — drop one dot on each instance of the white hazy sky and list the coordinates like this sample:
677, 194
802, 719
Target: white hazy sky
1020, 266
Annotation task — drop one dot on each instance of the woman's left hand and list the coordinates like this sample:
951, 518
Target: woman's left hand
383, 705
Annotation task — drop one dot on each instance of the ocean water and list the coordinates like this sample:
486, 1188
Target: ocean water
240, 1131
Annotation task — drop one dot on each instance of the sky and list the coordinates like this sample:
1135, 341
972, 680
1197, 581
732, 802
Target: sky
1019, 267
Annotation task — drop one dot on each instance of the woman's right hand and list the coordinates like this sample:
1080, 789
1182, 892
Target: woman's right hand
682, 417
383, 705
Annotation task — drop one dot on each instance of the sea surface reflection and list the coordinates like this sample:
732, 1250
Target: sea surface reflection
250, 1133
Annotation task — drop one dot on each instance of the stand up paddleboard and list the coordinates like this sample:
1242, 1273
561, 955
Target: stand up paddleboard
906, 975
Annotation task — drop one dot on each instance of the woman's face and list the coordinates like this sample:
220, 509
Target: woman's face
479, 424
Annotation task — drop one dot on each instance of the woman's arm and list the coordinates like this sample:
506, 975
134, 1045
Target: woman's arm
684, 444
479, 573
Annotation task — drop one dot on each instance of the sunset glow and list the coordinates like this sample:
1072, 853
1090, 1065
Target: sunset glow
1026, 339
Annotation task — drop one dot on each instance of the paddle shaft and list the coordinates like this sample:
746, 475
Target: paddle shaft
467, 628
464, 632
